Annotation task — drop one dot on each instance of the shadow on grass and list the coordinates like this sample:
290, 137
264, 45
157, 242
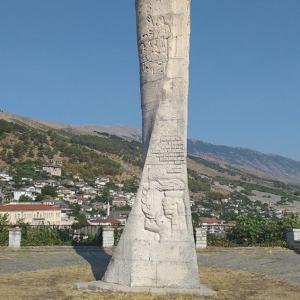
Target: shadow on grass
97, 257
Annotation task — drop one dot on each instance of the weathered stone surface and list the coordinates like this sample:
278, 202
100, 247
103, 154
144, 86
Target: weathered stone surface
157, 247
156, 251
104, 286
14, 238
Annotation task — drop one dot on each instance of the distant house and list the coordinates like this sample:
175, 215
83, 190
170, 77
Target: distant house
29, 192
32, 213
5, 177
105, 221
101, 182
213, 225
121, 216
53, 167
119, 202
74, 199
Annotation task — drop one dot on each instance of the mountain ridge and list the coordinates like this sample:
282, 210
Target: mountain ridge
270, 166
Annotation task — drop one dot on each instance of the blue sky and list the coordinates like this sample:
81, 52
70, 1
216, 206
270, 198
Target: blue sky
75, 62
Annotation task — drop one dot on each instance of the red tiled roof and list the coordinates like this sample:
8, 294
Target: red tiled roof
27, 207
109, 220
211, 221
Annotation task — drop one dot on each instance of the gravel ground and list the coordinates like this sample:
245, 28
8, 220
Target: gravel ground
274, 262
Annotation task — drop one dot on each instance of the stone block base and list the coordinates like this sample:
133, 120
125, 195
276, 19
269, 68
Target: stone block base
101, 286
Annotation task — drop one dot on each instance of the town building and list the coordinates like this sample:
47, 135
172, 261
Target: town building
29, 192
108, 221
101, 182
213, 225
32, 213
5, 177
53, 167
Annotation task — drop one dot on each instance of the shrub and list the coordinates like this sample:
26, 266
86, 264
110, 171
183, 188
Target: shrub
253, 230
44, 236
218, 241
4, 230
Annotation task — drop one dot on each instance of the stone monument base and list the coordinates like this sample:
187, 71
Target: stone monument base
101, 286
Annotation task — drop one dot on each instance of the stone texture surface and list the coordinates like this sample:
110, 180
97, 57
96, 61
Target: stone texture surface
104, 286
14, 238
157, 247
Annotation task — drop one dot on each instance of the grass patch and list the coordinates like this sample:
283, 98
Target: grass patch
59, 283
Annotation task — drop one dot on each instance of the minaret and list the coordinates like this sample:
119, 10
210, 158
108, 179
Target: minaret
108, 209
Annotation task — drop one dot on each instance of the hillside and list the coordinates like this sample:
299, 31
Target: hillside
258, 164
274, 167
27, 145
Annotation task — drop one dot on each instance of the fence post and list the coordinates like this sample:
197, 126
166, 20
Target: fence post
292, 236
201, 238
108, 237
15, 238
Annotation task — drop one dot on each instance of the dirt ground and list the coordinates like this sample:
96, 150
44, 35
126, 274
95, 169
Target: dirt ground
58, 283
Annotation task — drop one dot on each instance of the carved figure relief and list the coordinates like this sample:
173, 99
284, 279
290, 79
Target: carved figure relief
164, 209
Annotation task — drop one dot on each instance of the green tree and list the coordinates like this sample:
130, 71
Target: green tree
131, 185
253, 230
25, 198
104, 196
40, 197
49, 191
4, 230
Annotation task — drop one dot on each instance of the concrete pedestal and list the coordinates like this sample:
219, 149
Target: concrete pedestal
201, 238
108, 237
101, 286
15, 238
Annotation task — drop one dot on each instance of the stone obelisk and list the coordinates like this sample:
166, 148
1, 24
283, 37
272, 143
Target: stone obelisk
156, 251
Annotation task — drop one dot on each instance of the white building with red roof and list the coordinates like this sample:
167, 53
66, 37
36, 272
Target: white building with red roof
32, 213
213, 225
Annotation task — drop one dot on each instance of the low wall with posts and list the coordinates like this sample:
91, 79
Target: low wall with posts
201, 238
85, 235
41, 235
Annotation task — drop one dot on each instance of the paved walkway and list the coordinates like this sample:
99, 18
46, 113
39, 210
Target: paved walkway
275, 262
279, 263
